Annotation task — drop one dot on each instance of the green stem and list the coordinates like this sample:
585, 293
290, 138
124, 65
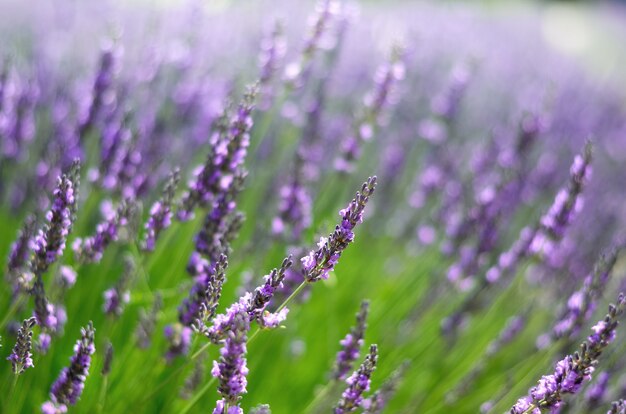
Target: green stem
103, 393
320, 396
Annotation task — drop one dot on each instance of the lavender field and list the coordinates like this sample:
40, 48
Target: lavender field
312, 207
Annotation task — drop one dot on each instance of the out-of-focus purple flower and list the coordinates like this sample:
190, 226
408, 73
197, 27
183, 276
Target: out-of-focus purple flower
44, 340
49, 244
364, 127
296, 72
358, 384
161, 212
21, 357
66, 277
179, 339
351, 344
20, 251
567, 204
582, 303
68, 387
231, 369
223, 163
91, 249
147, 323
572, 371
617, 407
103, 83
319, 263
118, 296
294, 208
597, 391
273, 48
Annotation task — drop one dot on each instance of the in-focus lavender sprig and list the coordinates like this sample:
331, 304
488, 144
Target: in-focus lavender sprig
21, 358
319, 263
572, 371
49, 244
351, 344
358, 384
68, 387
161, 212
231, 368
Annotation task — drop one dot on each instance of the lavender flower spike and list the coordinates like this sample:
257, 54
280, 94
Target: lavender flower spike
118, 296
231, 369
377, 402
161, 212
573, 370
70, 384
21, 358
566, 205
20, 250
358, 383
617, 407
49, 244
319, 263
351, 344
91, 249
204, 295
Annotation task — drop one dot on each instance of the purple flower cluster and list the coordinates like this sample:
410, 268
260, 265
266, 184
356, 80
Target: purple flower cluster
205, 293
118, 296
161, 212
319, 263
231, 369
351, 344
364, 127
91, 249
582, 303
294, 209
49, 244
21, 357
68, 387
358, 383
229, 149
572, 371
617, 407
273, 49
179, 340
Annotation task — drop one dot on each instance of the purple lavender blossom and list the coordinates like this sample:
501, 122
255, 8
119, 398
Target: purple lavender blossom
572, 371
21, 358
294, 208
351, 344
567, 204
617, 407
49, 244
205, 294
223, 163
273, 48
364, 127
597, 391
231, 369
358, 383
160, 213
319, 263
68, 387
179, 339
102, 84
582, 303
296, 72
118, 296
20, 251
91, 249
379, 400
